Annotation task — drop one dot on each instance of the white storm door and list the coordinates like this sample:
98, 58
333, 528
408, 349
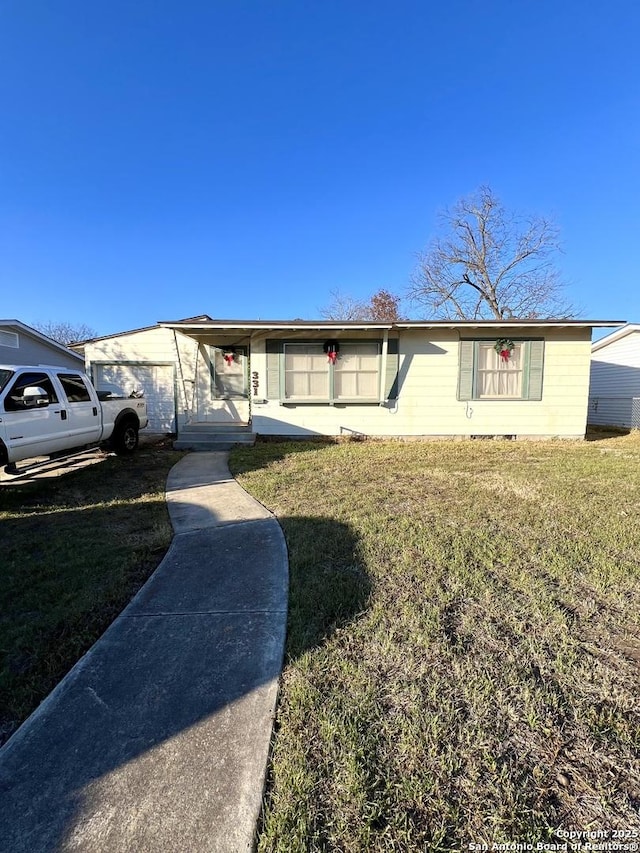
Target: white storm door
223, 385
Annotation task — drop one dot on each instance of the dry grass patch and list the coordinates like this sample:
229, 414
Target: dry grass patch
480, 683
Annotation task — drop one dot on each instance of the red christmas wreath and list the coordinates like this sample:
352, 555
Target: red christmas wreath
504, 347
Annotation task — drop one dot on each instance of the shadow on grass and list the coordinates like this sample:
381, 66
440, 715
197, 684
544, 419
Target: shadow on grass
201, 643
268, 450
328, 586
66, 575
74, 549
595, 433
111, 478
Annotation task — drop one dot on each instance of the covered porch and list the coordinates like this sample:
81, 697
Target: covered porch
212, 374
230, 373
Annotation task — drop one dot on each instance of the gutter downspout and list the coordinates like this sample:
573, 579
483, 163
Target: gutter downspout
383, 367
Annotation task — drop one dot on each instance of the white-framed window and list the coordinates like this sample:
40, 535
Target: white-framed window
490, 371
9, 339
306, 373
498, 377
356, 372
309, 374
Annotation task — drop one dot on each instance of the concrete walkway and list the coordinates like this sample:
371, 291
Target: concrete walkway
157, 740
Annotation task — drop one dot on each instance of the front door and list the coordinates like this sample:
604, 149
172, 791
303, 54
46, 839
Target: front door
223, 384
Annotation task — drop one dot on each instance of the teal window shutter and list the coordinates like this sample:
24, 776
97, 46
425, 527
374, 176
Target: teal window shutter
465, 370
274, 350
535, 370
393, 362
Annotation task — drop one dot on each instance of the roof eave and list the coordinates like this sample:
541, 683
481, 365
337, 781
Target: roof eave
626, 329
310, 325
514, 324
239, 325
34, 333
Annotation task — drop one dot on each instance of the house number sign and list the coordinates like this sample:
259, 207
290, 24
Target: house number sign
255, 382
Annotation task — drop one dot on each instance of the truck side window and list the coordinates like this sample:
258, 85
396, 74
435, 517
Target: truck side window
74, 388
14, 400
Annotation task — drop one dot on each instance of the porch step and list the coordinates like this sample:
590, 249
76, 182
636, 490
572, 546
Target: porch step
201, 437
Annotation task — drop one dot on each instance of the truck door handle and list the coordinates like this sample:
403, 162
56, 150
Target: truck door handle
95, 412
63, 415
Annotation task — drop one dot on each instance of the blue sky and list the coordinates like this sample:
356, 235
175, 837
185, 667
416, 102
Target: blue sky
162, 159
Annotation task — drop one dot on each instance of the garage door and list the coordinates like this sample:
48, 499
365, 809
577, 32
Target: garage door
155, 380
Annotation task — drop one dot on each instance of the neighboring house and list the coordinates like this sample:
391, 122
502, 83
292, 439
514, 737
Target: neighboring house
614, 392
305, 378
20, 344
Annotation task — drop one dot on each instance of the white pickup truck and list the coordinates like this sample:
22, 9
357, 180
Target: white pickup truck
48, 410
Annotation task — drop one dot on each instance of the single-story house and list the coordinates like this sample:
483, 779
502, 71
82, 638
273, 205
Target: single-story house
20, 344
614, 391
202, 376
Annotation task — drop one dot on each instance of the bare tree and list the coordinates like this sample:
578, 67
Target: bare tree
65, 333
490, 264
343, 307
383, 307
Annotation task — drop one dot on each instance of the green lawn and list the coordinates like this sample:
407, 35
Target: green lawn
74, 550
463, 659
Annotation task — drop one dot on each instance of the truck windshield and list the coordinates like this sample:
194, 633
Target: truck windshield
5, 376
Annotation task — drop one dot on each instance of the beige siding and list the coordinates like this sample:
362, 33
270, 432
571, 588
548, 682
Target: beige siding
189, 358
150, 346
427, 403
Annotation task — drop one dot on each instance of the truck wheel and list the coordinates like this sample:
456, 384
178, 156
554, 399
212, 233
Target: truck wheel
125, 437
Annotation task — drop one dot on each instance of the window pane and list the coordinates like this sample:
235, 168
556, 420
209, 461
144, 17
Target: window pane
229, 377
318, 384
318, 361
14, 401
306, 371
295, 361
347, 361
345, 385
297, 385
358, 356
356, 371
5, 376
231, 386
497, 377
74, 388
487, 357
368, 385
